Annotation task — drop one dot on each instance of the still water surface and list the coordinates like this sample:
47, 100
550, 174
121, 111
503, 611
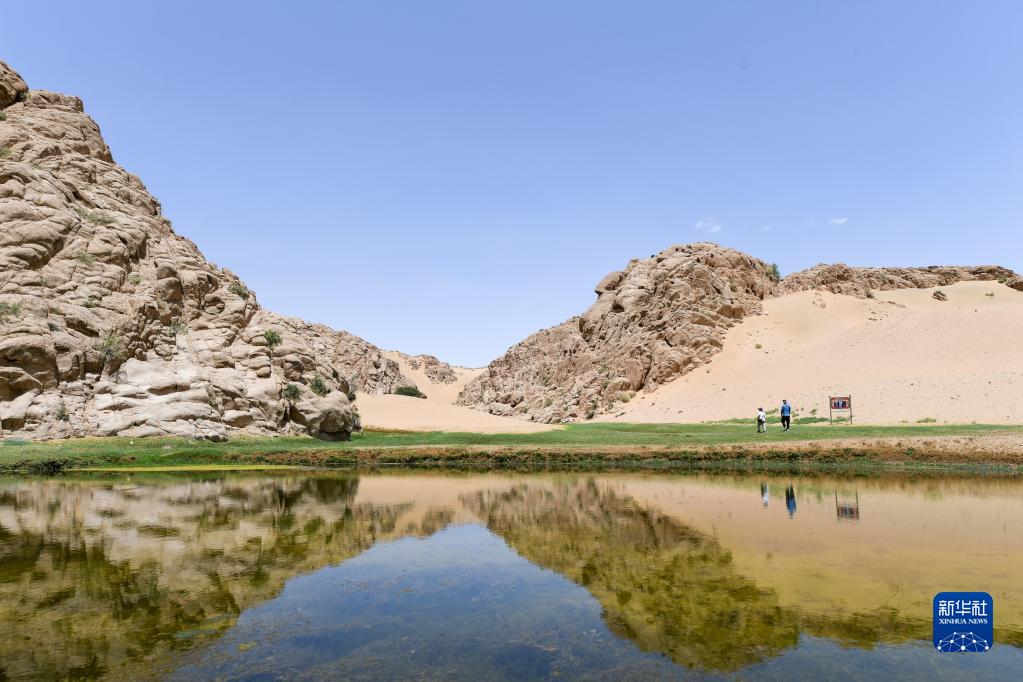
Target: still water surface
571, 576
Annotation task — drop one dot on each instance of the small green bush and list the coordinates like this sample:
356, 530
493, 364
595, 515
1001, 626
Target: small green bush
548, 402
319, 386
111, 348
5, 152
410, 391
134, 278
62, 414
239, 291
94, 217
52, 326
3, 115
775, 272
85, 258
273, 339
926, 420
9, 310
91, 302
291, 393
177, 327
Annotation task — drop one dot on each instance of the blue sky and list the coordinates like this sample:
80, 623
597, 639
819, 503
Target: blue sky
449, 177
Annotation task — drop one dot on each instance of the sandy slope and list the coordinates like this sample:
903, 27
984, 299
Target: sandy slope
902, 356
436, 413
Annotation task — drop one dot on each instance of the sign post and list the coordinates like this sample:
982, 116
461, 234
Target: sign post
839, 402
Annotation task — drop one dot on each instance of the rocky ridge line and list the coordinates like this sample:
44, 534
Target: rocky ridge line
660, 318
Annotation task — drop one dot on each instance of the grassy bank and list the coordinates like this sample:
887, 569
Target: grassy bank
591, 444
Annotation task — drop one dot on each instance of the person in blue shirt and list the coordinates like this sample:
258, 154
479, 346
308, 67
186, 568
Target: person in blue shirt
786, 415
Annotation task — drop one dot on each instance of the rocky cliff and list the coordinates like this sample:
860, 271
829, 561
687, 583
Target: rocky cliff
113, 324
652, 321
658, 319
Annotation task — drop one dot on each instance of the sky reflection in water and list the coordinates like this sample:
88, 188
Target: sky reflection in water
501, 576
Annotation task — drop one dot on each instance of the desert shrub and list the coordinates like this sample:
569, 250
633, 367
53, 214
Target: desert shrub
22, 96
548, 402
52, 326
319, 386
111, 348
91, 302
926, 420
273, 339
239, 291
759, 346
134, 278
9, 310
868, 292
3, 115
291, 393
5, 152
62, 413
775, 272
177, 327
410, 391
94, 216
85, 258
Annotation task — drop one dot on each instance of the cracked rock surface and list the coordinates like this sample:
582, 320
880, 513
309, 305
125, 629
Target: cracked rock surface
113, 324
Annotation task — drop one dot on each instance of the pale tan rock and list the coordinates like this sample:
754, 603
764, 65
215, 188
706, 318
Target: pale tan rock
121, 327
860, 282
11, 86
652, 321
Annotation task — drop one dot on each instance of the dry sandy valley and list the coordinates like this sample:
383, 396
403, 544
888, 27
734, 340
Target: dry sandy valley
902, 356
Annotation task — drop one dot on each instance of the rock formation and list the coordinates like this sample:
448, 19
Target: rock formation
860, 282
654, 320
658, 319
435, 370
112, 324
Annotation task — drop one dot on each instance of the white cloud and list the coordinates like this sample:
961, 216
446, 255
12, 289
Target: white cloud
838, 221
709, 226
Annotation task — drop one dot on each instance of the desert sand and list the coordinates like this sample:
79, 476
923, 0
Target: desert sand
902, 356
437, 412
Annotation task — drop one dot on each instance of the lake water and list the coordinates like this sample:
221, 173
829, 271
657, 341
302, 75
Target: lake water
306, 575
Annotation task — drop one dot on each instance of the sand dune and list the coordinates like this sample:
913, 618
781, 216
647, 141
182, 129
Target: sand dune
903, 356
415, 414
436, 412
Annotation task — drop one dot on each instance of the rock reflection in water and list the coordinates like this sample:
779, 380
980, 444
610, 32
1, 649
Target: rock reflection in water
138, 575
98, 578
